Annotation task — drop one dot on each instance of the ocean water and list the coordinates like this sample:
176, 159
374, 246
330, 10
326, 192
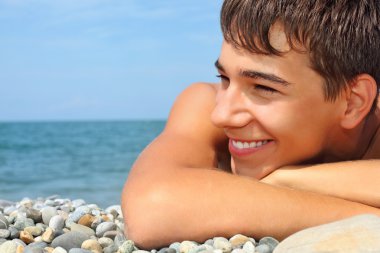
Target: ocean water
88, 160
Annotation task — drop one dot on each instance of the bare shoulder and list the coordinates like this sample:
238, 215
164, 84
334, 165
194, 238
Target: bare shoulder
189, 138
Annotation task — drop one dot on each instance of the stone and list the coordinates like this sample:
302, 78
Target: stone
3, 222
126, 247
34, 214
15, 233
270, 241
79, 250
82, 229
70, 240
23, 222
48, 249
104, 227
79, 212
263, 248
249, 247
167, 250
57, 223
59, 250
110, 248
20, 249
356, 234
111, 234
105, 241
8, 247
201, 248
175, 246
119, 239
26, 237
48, 235
4, 233
238, 250
92, 245
186, 246
86, 220
238, 240
33, 230
222, 244
47, 213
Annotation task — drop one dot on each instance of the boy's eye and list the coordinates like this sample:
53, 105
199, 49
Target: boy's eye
266, 89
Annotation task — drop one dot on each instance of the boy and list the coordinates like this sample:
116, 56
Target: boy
284, 142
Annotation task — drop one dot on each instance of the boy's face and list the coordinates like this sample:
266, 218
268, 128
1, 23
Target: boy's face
273, 110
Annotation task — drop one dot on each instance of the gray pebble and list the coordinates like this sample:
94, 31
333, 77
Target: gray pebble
8, 247
210, 242
23, 222
70, 240
57, 223
222, 244
175, 246
79, 212
119, 239
33, 250
3, 222
19, 242
249, 247
186, 246
110, 249
127, 247
79, 250
15, 233
263, 248
59, 250
9, 209
82, 229
270, 241
105, 241
141, 251
34, 214
167, 250
47, 213
104, 227
4, 233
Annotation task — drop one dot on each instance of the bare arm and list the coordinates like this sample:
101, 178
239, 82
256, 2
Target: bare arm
174, 191
351, 180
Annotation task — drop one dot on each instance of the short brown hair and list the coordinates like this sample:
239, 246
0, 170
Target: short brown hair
342, 37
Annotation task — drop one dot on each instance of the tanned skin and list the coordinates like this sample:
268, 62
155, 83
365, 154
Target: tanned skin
186, 185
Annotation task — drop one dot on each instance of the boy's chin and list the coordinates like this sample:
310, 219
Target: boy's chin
258, 172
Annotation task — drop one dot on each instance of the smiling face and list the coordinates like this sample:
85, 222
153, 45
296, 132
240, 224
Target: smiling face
273, 110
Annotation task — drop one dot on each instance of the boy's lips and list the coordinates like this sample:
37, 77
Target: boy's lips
244, 148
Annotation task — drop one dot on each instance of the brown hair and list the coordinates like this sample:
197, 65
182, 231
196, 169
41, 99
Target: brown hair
342, 37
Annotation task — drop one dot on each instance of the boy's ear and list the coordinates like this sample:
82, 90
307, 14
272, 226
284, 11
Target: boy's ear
360, 95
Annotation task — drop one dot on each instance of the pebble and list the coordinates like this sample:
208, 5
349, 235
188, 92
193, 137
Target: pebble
105, 227
3, 222
4, 233
47, 213
59, 225
70, 240
186, 246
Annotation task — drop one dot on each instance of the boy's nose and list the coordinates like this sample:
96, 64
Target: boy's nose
230, 110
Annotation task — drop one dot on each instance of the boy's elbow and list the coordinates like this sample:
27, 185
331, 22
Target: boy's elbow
145, 219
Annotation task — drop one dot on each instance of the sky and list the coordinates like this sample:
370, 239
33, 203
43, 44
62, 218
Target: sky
103, 59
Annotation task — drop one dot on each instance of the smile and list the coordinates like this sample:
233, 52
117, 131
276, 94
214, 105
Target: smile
246, 148
247, 145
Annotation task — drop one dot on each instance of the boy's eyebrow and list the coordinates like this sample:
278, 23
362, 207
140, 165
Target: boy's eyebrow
256, 75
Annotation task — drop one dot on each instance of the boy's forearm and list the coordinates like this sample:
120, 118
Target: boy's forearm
196, 204
352, 180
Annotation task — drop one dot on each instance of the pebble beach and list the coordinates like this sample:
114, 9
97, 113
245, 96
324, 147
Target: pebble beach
59, 225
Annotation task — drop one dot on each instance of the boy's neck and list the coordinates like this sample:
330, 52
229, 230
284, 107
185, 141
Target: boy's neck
354, 144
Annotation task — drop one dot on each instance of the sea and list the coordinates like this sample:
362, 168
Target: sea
87, 160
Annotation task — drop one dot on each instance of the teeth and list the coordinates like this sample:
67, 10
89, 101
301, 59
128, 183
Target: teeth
252, 144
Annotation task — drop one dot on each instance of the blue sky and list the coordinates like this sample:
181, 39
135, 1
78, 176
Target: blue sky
103, 59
